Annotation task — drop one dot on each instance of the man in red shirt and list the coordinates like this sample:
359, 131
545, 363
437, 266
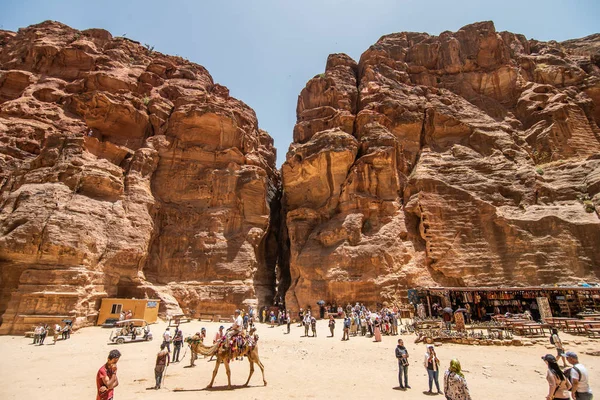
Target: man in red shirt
106, 378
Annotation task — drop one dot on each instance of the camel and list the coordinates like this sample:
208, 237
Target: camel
224, 356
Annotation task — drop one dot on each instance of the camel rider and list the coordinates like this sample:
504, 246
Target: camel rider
237, 326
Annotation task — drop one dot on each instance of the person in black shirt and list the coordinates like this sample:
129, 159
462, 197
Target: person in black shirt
177, 343
402, 356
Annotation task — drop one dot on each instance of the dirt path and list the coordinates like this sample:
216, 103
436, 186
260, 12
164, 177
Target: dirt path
295, 367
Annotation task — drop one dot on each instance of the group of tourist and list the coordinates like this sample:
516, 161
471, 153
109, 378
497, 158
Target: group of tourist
358, 320
572, 380
455, 384
43, 330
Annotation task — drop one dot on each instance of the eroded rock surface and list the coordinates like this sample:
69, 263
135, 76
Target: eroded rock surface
125, 172
468, 158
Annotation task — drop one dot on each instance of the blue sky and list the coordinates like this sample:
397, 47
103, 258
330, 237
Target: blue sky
265, 51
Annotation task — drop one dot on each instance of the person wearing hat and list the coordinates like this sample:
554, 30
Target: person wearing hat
197, 338
558, 384
579, 378
219, 335
106, 378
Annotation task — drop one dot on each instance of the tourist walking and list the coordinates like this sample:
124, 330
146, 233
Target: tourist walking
313, 326
167, 339
432, 365
354, 324
65, 332
377, 329
455, 384
162, 361
43, 333
306, 323
106, 378
36, 334
289, 320
177, 343
56, 332
331, 324
402, 356
560, 349
558, 385
346, 335
579, 378
363, 325
394, 324
272, 319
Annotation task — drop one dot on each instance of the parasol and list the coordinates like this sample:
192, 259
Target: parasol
461, 310
67, 321
448, 310
321, 302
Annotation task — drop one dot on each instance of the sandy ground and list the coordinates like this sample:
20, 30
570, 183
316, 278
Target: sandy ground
295, 367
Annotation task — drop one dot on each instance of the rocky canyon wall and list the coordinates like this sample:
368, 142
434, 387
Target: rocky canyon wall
125, 172
468, 158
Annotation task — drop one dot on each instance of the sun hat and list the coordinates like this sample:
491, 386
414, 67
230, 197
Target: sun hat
550, 358
571, 354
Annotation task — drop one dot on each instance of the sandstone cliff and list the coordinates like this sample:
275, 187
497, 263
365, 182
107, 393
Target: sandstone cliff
468, 158
125, 172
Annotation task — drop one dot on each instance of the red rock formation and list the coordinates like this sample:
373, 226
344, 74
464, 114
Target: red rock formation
125, 172
468, 158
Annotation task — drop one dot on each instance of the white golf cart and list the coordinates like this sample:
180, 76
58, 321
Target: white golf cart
130, 330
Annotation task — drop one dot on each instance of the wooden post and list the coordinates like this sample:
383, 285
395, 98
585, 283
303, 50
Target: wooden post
429, 304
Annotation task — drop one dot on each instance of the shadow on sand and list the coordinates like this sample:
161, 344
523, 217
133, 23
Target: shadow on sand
214, 388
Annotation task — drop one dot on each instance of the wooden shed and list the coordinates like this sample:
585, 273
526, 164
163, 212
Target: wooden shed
146, 309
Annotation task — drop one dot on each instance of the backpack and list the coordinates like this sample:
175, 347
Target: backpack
567, 373
552, 339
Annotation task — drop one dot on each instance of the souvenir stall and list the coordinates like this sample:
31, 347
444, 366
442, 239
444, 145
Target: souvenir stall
482, 303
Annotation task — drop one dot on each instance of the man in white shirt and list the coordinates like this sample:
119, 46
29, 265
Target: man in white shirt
580, 378
167, 339
237, 326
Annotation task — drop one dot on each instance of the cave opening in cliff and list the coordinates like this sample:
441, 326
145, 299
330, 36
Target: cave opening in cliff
126, 288
9, 282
